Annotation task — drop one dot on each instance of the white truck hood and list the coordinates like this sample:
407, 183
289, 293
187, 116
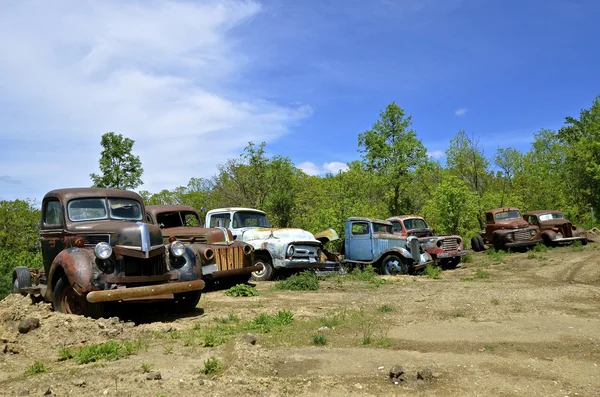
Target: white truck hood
285, 235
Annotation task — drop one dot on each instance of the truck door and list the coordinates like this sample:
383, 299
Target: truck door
359, 245
52, 231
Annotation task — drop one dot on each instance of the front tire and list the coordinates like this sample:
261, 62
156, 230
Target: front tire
451, 263
187, 301
477, 244
393, 265
267, 271
67, 300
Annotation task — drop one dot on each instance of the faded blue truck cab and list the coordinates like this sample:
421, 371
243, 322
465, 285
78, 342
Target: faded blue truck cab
371, 241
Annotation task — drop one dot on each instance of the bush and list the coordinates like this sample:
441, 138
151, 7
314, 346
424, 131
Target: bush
319, 340
242, 290
212, 365
540, 248
305, 281
433, 272
37, 367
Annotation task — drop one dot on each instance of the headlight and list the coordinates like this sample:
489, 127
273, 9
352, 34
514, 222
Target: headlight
291, 250
439, 243
510, 236
103, 250
532, 232
177, 248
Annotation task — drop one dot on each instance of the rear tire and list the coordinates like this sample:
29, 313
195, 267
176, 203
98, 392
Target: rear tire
21, 278
187, 301
584, 241
266, 273
393, 265
477, 243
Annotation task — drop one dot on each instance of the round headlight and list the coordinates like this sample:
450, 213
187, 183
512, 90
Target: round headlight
439, 243
177, 248
532, 232
103, 250
291, 250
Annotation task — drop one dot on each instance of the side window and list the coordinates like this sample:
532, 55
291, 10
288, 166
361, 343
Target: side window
533, 220
489, 217
360, 228
191, 220
396, 226
52, 213
223, 219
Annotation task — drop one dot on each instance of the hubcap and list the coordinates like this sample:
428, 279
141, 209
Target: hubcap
393, 267
260, 273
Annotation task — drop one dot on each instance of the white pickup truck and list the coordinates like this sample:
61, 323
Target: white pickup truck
274, 248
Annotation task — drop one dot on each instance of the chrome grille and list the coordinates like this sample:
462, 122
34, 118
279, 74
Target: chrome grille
229, 258
304, 252
567, 230
522, 235
93, 239
144, 267
449, 244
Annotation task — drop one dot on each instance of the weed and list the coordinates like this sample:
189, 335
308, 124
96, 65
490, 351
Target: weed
319, 340
540, 248
577, 246
212, 365
433, 272
168, 350
284, 317
497, 256
37, 367
467, 258
480, 274
531, 255
64, 353
383, 342
334, 318
231, 318
158, 334
459, 313
265, 322
146, 368
495, 302
242, 290
110, 351
211, 340
489, 348
385, 308
175, 334
188, 341
305, 281
466, 279
367, 335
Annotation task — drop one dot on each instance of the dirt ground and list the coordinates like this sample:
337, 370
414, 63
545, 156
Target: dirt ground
523, 324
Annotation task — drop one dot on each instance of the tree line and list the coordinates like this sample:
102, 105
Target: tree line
394, 176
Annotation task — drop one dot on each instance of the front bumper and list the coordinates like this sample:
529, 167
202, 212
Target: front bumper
568, 239
232, 272
307, 264
522, 243
452, 254
147, 291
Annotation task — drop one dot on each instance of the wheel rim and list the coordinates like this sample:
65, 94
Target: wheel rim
72, 303
260, 273
393, 266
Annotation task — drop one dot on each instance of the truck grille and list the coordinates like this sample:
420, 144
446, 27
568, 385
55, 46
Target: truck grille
449, 244
522, 235
144, 267
93, 239
305, 252
567, 230
229, 258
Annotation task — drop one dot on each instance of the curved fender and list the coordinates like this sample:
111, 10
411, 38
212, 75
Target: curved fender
191, 267
399, 250
78, 265
551, 235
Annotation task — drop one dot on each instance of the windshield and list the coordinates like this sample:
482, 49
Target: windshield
382, 228
177, 219
96, 209
250, 219
548, 217
512, 214
415, 223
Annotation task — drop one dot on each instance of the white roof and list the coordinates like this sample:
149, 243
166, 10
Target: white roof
235, 209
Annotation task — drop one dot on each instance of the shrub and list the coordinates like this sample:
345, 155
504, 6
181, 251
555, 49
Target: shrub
540, 248
319, 340
432, 271
305, 281
37, 367
242, 290
212, 365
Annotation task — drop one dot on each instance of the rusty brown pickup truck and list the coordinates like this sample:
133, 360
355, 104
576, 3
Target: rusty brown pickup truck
505, 228
556, 228
220, 255
96, 248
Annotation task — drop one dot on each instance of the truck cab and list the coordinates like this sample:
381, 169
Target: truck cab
274, 248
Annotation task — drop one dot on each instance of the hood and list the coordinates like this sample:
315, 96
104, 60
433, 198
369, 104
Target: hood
120, 232
203, 235
291, 235
513, 223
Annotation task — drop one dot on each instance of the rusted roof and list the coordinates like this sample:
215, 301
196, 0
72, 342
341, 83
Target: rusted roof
360, 218
504, 209
403, 217
158, 209
542, 212
90, 192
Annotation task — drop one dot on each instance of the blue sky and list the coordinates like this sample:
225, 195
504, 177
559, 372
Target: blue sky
193, 81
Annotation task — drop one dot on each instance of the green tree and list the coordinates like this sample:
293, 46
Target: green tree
509, 161
392, 150
119, 168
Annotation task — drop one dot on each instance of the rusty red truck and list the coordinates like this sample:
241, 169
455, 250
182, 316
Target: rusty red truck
96, 249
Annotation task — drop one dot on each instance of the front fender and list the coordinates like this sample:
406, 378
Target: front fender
78, 265
186, 266
399, 250
549, 234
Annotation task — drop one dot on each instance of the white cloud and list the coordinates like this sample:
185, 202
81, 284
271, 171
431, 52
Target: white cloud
461, 111
160, 72
311, 168
436, 154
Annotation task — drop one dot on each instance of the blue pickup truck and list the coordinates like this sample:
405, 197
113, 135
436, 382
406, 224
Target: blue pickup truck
372, 242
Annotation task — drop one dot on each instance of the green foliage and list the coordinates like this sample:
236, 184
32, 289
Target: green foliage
119, 168
65, 353
305, 281
466, 258
110, 351
385, 308
540, 248
319, 340
480, 274
433, 272
146, 368
212, 340
37, 367
212, 365
242, 290
265, 322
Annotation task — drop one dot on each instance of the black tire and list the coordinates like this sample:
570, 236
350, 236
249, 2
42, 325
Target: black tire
481, 243
546, 240
498, 244
451, 263
584, 241
266, 273
476, 243
187, 301
21, 278
67, 300
393, 265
